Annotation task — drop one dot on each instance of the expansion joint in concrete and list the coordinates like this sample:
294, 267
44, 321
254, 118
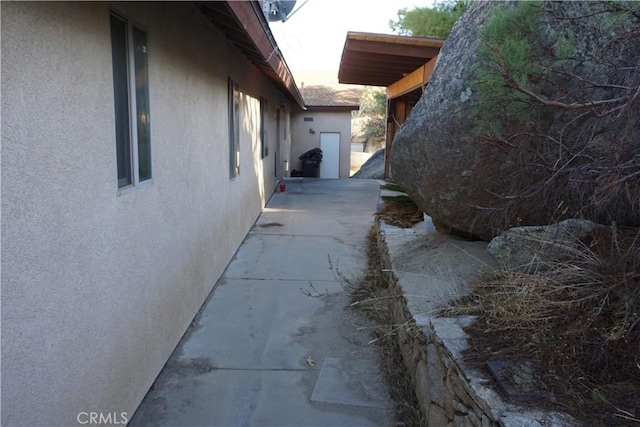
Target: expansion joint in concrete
260, 369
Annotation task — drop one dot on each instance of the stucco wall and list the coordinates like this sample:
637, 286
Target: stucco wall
323, 121
97, 288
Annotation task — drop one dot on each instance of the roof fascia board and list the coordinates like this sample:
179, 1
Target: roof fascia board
332, 107
416, 51
396, 38
249, 15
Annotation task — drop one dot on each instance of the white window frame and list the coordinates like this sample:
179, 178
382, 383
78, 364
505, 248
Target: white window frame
235, 107
132, 106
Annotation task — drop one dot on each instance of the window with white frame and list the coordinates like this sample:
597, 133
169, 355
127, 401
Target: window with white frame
131, 99
234, 128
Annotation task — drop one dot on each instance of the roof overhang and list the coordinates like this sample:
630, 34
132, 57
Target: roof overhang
332, 107
244, 24
383, 59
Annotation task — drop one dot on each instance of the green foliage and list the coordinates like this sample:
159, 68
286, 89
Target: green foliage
401, 199
620, 12
510, 33
392, 186
373, 101
506, 57
565, 46
373, 108
435, 22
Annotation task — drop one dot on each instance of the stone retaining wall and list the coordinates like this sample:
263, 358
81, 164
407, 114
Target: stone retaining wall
449, 393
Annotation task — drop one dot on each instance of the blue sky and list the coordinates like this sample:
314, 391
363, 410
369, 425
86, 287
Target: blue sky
313, 38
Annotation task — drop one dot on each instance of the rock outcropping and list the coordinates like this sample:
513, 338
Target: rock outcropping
535, 248
372, 168
484, 162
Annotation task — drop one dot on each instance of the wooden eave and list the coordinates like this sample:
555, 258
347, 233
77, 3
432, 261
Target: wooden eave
383, 59
244, 25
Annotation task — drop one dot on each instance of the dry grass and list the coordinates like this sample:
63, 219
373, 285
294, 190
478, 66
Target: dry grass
400, 211
579, 319
372, 295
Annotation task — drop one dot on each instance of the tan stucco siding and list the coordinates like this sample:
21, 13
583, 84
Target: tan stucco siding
323, 121
97, 286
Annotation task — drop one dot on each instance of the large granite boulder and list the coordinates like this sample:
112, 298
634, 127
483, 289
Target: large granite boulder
372, 168
484, 164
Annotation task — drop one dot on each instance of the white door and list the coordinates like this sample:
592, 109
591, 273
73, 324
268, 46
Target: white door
330, 146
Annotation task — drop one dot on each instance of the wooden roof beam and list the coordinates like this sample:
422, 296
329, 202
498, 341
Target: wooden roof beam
389, 72
412, 81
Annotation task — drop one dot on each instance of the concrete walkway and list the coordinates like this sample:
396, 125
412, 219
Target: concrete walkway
275, 345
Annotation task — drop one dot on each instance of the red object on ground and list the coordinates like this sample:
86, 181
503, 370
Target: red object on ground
283, 187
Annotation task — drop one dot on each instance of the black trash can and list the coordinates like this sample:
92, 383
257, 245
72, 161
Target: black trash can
311, 163
311, 168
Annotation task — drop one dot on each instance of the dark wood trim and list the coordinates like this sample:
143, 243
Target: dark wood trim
381, 48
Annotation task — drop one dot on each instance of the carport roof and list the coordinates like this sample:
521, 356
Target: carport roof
382, 59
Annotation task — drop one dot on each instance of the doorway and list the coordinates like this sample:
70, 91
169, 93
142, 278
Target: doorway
330, 146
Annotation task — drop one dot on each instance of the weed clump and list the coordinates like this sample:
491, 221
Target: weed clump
373, 296
399, 210
578, 319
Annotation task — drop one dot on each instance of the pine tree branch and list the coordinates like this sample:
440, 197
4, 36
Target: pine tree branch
511, 83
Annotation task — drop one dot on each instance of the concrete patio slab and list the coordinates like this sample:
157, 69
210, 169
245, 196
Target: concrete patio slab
257, 324
282, 222
254, 354
340, 383
248, 398
293, 257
